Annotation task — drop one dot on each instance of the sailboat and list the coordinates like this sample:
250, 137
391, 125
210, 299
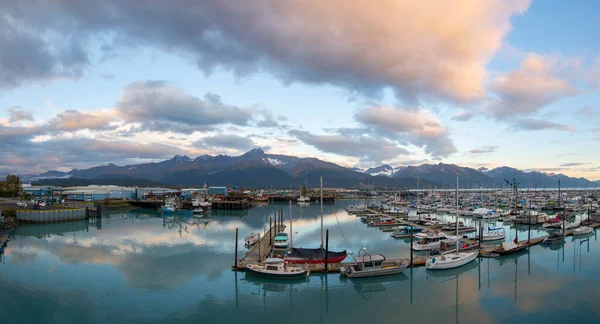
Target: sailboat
515, 246
315, 256
455, 259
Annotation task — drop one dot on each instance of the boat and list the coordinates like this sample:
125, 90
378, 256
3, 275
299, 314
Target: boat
314, 256
431, 241
574, 224
412, 215
281, 240
480, 212
252, 239
460, 228
583, 230
21, 204
303, 199
493, 234
553, 223
451, 260
511, 247
454, 259
404, 232
554, 238
367, 265
276, 268
200, 205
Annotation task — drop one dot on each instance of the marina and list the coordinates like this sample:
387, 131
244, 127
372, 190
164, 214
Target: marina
144, 255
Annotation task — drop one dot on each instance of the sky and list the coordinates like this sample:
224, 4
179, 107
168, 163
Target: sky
474, 83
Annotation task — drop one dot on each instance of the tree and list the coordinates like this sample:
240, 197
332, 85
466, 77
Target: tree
13, 185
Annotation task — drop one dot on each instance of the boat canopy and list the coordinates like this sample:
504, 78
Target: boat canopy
369, 258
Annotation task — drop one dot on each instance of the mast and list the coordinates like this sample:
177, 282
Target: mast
457, 215
321, 212
291, 229
516, 212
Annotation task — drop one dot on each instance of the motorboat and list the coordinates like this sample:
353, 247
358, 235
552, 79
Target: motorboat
281, 240
252, 239
480, 212
583, 230
554, 238
431, 241
303, 199
461, 228
493, 234
404, 232
276, 268
367, 265
572, 225
451, 260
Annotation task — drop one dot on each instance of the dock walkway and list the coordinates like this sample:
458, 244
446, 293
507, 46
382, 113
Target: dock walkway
260, 250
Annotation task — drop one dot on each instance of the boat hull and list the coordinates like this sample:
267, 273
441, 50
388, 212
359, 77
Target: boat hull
515, 250
583, 231
445, 261
281, 275
375, 273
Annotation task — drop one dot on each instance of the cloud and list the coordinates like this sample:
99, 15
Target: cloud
484, 150
525, 91
419, 127
536, 124
463, 116
571, 164
72, 120
419, 49
226, 141
31, 55
587, 112
160, 106
17, 113
367, 148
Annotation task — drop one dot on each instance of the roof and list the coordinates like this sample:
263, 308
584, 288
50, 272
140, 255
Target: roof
369, 258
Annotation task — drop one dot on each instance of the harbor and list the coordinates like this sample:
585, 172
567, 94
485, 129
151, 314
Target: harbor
146, 256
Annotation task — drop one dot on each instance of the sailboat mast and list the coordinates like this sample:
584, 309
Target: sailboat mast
321, 212
516, 213
457, 215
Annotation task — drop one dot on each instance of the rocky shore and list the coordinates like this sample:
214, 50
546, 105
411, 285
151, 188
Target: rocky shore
8, 223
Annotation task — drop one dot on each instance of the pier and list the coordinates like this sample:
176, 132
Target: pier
260, 250
231, 204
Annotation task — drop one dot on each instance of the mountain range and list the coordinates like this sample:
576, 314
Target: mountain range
256, 169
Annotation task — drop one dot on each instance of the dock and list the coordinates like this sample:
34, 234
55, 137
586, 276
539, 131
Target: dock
231, 204
260, 250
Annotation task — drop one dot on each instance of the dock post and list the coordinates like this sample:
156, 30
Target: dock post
411, 245
326, 250
236, 249
270, 232
529, 230
259, 244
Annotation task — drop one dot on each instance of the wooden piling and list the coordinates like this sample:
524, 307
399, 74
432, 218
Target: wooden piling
326, 250
236, 249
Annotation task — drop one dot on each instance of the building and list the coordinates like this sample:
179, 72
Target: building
96, 193
218, 191
42, 191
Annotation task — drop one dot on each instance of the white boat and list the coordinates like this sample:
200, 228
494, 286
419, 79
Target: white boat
494, 235
281, 240
412, 216
252, 239
303, 199
574, 224
431, 241
367, 265
453, 259
480, 212
583, 230
277, 268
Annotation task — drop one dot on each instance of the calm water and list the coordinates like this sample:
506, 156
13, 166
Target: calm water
137, 267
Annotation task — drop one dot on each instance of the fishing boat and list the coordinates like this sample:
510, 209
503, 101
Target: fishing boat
276, 268
494, 234
367, 265
252, 239
281, 240
454, 259
583, 230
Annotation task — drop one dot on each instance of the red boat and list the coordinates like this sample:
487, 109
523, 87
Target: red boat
313, 256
